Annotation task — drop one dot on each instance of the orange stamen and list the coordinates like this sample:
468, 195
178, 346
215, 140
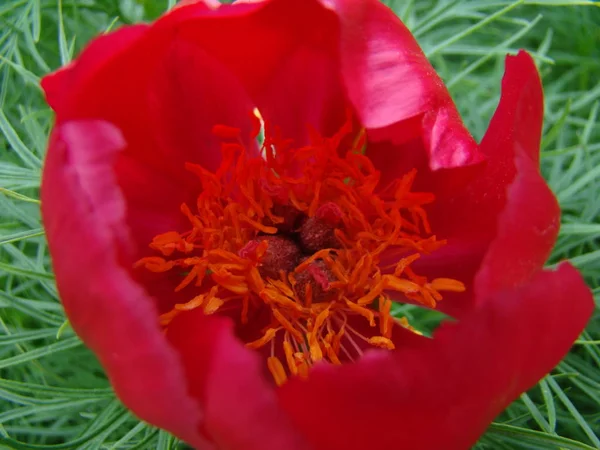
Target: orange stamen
259, 226
447, 284
331, 353
155, 264
289, 357
245, 308
382, 342
277, 370
366, 313
223, 263
373, 294
302, 365
285, 323
394, 283
315, 349
277, 297
267, 337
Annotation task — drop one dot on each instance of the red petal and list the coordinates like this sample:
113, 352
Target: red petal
387, 75
242, 410
395, 90
162, 92
305, 91
527, 230
165, 95
62, 86
291, 71
59, 86
189, 93
443, 393
84, 216
509, 201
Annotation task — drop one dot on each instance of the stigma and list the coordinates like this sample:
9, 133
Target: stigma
295, 245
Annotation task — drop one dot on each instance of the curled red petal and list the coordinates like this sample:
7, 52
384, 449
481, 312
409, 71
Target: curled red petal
514, 131
84, 215
388, 77
509, 200
443, 393
396, 92
527, 229
242, 410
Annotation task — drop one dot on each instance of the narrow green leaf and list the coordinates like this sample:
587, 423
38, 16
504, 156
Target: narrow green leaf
457, 37
21, 235
41, 352
574, 412
18, 196
17, 144
543, 440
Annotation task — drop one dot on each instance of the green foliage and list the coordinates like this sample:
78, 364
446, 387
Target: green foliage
53, 393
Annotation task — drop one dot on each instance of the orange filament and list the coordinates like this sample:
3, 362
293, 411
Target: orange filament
222, 258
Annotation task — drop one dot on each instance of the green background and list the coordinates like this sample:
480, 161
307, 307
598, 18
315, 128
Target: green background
53, 393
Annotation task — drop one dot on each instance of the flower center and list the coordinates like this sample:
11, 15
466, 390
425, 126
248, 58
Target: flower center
291, 245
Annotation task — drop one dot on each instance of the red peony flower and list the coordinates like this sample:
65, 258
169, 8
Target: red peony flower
239, 295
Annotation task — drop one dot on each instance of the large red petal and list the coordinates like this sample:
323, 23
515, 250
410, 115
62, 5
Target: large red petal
84, 215
242, 410
165, 95
162, 92
290, 70
59, 86
526, 232
63, 86
509, 199
305, 92
443, 393
396, 92
515, 130
300, 75
388, 77
189, 93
